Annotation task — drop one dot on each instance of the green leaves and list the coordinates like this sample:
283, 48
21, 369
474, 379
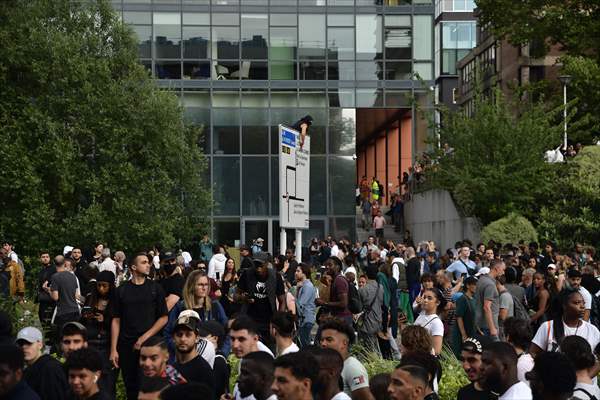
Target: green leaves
90, 148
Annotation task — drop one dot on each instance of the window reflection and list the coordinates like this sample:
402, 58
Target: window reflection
342, 175
196, 42
226, 131
342, 131
167, 35
311, 36
226, 185
255, 185
226, 42
254, 36
369, 37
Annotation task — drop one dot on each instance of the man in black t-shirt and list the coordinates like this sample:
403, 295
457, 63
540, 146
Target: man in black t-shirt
261, 291
189, 363
140, 312
172, 282
472, 350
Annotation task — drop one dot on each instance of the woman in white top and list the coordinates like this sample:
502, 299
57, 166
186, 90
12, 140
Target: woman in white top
432, 301
578, 350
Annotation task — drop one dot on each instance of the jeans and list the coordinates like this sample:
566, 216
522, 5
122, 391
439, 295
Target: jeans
486, 332
304, 334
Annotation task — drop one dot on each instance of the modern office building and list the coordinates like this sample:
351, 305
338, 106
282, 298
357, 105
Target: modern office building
241, 67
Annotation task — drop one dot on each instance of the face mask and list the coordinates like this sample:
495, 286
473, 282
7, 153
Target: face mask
169, 268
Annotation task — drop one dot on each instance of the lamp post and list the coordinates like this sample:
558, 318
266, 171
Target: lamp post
565, 80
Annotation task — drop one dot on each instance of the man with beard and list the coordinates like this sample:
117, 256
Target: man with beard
256, 376
81, 267
499, 372
553, 377
189, 363
472, 349
46, 304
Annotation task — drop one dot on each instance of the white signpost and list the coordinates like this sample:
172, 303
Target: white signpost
294, 185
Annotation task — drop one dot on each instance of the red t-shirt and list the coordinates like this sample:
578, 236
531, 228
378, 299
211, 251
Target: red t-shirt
339, 287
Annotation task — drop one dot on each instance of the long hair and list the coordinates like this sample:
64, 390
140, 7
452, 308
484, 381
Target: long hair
189, 288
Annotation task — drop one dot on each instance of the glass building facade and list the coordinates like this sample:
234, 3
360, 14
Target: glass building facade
241, 67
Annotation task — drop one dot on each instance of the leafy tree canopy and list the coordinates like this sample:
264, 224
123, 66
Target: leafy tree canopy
497, 166
90, 149
509, 229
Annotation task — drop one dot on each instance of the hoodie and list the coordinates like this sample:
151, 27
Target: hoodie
217, 266
47, 378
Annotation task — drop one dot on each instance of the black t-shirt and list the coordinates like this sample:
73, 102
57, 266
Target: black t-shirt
197, 370
44, 275
470, 393
250, 283
138, 307
173, 285
221, 372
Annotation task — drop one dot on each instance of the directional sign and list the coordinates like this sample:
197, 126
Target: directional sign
294, 179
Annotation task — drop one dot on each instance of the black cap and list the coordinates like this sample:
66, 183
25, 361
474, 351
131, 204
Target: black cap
476, 344
167, 256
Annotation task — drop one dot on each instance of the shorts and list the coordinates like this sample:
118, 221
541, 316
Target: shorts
379, 233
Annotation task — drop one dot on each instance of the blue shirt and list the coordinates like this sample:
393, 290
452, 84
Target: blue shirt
305, 302
458, 268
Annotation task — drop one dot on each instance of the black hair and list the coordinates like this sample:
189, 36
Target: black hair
511, 274
425, 360
337, 262
503, 352
427, 277
416, 371
283, 322
187, 391
340, 326
263, 363
306, 269
12, 356
301, 365
244, 322
519, 332
556, 372
86, 358
579, 351
326, 357
371, 271
439, 297
156, 341
153, 384
134, 258
72, 329
378, 385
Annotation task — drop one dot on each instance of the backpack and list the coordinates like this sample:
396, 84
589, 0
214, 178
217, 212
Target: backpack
354, 302
519, 309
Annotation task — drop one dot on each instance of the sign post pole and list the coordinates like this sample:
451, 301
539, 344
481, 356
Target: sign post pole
282, 241
298, 245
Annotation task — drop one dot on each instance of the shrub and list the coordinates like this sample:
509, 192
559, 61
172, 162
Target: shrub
510, 229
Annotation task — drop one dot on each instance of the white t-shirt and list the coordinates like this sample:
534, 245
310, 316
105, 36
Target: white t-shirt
524, 365
587, 297
518, 391
292, 348
592, 389
354, 375
544, 337
341, 396
432, 323
207, 351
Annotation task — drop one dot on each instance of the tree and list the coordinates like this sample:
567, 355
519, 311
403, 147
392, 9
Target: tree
497, 166
90, 148
509, 229
573, 215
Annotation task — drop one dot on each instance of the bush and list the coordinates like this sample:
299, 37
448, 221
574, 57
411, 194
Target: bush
510, 229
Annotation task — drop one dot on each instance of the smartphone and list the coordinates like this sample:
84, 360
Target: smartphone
218, 276
317, 275
87, 310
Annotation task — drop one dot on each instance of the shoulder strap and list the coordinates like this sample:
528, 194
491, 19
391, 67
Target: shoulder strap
588, 394
374, 298
430, 321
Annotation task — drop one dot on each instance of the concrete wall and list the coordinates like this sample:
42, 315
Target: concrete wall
432, 215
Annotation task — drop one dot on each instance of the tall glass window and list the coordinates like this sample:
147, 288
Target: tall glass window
226, 131
255, 131
255, 185
422, 37
226, 185
369, 37
167, 35
311, 36
458, 38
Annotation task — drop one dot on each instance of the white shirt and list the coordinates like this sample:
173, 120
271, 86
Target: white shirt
207, 351
334, 250
354, 375
292, 348
108, 265
544, 337
587, 297
518, 391
216, 265
592, 389
341, 396
396, 267
524, 365
432, 323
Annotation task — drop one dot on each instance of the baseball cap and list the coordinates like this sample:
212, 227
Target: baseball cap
350, 269
189, 319
551, 266
260, 240
30, 335
483, 271
167, 256
74, 327
476, 344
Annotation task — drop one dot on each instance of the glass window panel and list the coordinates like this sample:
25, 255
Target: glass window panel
255, 98
223, 69
226, 131
312, 70
398, 43
449, 58
343, 227
283, 43
341, 98
199, 117
197, 99
313, 98
254, 36
311, 43
424, 71
226, 42
318, 196
396, 71
226, 98
167, 35
137, 17
369, 70
226, 231
164, 18
342, 70
255, 132
340, 43
311, 2
284, 19
397, 98
225, 19
284, 98
196, 42
369, 97
252, 69
342, 131
226, 185
340, 20
196, 70
397, 20
283, 2
422, 37
340, 2
255, 185
275, 181
342, 183
283, 70
190, 18
167, 69
144, 34
318, 129
368, 37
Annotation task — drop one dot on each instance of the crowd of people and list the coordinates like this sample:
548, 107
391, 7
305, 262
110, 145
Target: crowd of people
523, 322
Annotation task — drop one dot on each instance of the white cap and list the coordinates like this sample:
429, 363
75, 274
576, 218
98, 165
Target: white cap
67, 249
260, 240
483, 271
551, 266
350, 269
30, 335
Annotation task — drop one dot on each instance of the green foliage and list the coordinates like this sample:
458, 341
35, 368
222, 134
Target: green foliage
91, 149
453, 375
497, 166
510, 229
574, 213
21, 314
